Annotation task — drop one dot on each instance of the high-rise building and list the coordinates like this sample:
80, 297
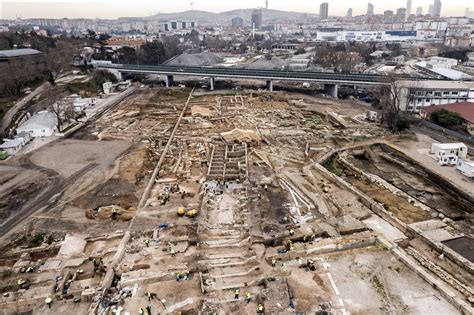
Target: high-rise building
419, 11
401, 15
370, 9
266, 4
431, 10
324, 11
437, 8
349, 13
388, 16
257, 19
237, 22
408, 7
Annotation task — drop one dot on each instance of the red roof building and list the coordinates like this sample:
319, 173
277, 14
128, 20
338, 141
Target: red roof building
464, 109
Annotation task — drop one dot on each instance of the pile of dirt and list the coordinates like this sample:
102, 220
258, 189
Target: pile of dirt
265, 63
104, 213
196, 60
197, 110
113, 192
240, 135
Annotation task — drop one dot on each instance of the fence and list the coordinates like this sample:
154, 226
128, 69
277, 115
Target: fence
447, 131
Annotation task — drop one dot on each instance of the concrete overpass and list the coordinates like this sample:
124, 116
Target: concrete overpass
330, 80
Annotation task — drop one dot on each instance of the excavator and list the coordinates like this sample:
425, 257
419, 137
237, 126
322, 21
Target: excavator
190, 214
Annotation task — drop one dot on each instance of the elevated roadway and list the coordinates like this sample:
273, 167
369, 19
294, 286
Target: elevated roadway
331, 80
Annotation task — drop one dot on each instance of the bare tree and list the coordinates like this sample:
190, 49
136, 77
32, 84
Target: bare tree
391, 97
54, 106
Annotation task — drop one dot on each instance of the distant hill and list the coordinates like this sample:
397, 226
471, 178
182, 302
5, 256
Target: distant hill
226, 17
190, 15
268, 14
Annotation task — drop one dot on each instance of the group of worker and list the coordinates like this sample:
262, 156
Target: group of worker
98, 264
23, 284
183, 276
172, 250
114, 213
248, 299
148, 310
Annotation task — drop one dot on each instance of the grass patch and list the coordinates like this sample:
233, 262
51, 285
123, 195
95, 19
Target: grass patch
334, 166
36, 240
170, 94
69, 127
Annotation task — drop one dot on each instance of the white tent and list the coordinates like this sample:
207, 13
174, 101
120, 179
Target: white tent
43, 124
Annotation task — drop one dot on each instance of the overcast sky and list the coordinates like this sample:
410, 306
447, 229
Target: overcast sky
119, 8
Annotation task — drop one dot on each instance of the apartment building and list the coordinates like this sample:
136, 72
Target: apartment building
418, 94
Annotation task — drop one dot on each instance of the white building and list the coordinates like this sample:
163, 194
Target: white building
43, 124
12, 146
418, 94
466, 167
441, 68
449, 153
336, 34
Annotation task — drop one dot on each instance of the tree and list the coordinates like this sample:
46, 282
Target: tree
100, 77
152, 53
243, 48
300, 51
337, 59
54, 106
127, 55
390, 98
445, 118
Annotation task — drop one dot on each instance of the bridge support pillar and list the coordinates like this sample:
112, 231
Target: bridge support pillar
168, 80
212, 83
270, 85
331, 90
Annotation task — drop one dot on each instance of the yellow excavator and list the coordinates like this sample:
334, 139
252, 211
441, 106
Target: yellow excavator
181, 212
190, 214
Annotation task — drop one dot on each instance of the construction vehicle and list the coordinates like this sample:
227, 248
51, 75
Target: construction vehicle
192, 213
181, 212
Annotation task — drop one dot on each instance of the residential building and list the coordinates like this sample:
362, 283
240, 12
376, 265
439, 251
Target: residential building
43, 124
409, 4
419, 11
466, 167
115, 43
415, 95
388, 16
324, 11
437, 8
257, 19
401, 15
431, 10
349, 13
237, 22
370, 9
449, 153
463, 109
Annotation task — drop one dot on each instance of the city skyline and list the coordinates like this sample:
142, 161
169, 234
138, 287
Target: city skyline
109, 9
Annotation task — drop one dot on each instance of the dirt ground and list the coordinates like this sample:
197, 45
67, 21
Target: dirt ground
418, 150
374, 282
239, 215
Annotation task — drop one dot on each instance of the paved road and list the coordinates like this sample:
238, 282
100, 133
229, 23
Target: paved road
7, 118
